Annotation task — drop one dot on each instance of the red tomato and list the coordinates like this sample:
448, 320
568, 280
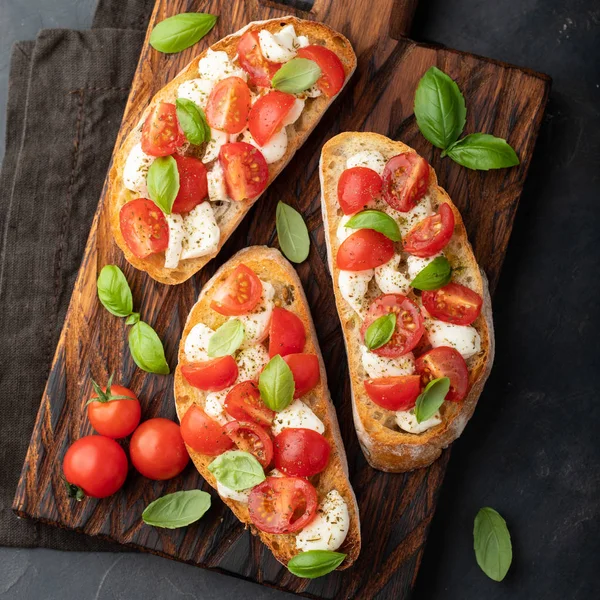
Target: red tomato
193, 185
409, 323
95, 465
444, 361
282, 504
405, 180
243, 403
432, 234
286, 333
228, 105
453, 303
365, 249
246, 170
112, 417
161, 133
267, 115
332, 71
239, 294
203, 434
394, 393
306, 372
144, 227
252, 438
211, 375
157, 450
301, 452
251, 59
357, 187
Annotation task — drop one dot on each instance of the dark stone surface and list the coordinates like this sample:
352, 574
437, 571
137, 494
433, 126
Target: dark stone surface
531, 450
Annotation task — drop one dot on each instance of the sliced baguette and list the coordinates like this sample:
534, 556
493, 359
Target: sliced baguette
271, 266
385, 446
297, 133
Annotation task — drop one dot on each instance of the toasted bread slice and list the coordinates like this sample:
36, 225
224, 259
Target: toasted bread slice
270, 266
297, 133
385, 446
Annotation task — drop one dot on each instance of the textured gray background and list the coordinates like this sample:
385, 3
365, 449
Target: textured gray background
531, 450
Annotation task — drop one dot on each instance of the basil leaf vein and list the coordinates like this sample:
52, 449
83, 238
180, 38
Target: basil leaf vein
376, 220
292, 233
179, 32
227, 339
296, 76
492, 544
163, 182
431, 398
237, 470
435, 275
380, 331
276, 384
315, 563
482, 151
192, 119
114, 292
177, 510
147, 349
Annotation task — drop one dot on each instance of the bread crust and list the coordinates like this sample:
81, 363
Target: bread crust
118, 194
387, 449
270, 265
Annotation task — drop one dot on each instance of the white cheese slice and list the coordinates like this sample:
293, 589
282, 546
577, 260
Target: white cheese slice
463, 338
295, 112
216, 66
136, 169
274, 149
256, 323
415, 264
353, 287
196, 343
225, 492
297, 416
407, 421
382, 366
390, 280
281, 46
202, 233
312, 92
367, 158
176, 235
197, 90
217, 139
415, 215
251, 361
213, 406
342, 231
216, 184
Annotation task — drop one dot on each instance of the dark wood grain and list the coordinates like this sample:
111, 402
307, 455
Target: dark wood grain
396, 510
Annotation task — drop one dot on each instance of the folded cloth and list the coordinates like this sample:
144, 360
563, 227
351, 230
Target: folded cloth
67, 93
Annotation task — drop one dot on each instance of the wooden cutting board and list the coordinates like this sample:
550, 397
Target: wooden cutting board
396, 510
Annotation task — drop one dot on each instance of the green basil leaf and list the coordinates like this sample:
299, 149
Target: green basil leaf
315, 563
376, 220
292, 232
147, 349
482, 151
276, 384
177, 510
227, 339
133, 318
380, 331
296, 76
114, 291
439, 108
435, 275
163, 182
431, 398
237, 470
179, 32
493, 548
192, 119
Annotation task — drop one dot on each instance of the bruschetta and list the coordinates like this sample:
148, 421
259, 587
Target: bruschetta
413, 304
254, 132
239, 407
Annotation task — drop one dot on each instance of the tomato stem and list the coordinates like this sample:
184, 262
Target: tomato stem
74, 491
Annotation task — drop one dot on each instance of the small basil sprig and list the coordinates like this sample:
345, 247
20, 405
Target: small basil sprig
114, 291
380, 331
431, 398
296, 76
435, 275
315, 563
376, 220
193, 121
177, 510
237, 470
276, 384
179, 32
147, 349
163, 182
227, 339
491, 541
292, 233
440, 112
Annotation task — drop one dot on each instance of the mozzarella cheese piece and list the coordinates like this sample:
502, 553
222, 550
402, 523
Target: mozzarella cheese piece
297, 415
281, 46
196, 343
176, 235
256, 323
251, 361
353, 287
407, 421
312, 92
136, 169
295, 112
329, 528
274, 149
344, 232
390, 280
196, 90
415, 264
367, 158
463, 338
216, 66
217, 139
225, 492
213, 406
415, 215
216, 184
382, 366
202, 233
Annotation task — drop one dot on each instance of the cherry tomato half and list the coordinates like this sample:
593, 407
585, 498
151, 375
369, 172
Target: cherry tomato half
432, 234
244, 403
445, 361
245, 169
357, 187
252, 438
364, 249
301, 452
306, 372
228, 105
239, 294
267, 115
251, 59
144, 227
405, 180
286, 333
203, 434
193, 184
453, 303
211, 375
112, 417
394, 393
161, 133
332, 71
